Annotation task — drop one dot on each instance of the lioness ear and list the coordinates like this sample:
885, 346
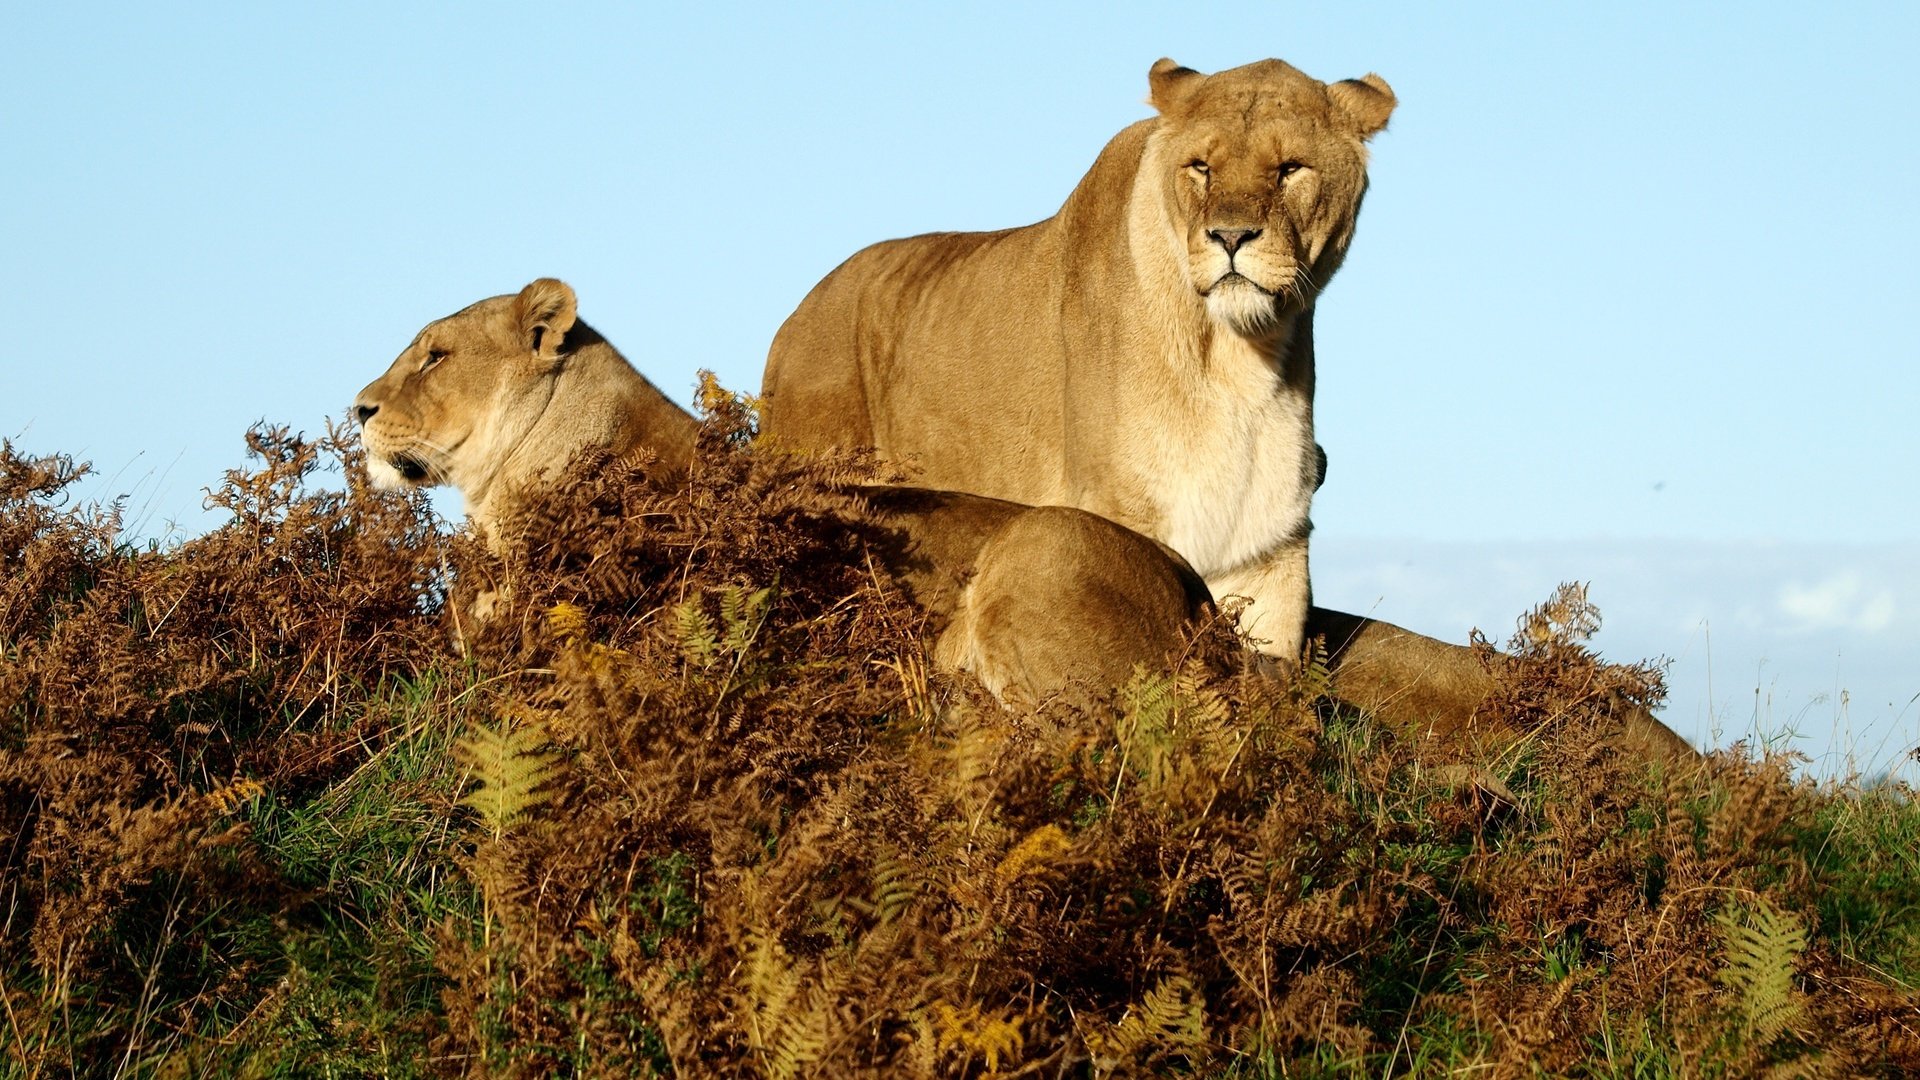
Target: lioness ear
546, 311
1365, 102
1168, 84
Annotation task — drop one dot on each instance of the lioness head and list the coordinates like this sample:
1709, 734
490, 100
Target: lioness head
468, 390
1262, 169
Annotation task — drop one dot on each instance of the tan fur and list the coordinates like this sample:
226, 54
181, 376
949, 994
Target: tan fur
1146, 353
499, 397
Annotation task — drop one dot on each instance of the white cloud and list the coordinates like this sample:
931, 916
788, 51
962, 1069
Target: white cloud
1842, 601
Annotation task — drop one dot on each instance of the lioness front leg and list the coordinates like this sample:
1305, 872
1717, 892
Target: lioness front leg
1280, 593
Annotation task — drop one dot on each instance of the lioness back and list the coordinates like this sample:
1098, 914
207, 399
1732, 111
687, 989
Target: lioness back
925, 347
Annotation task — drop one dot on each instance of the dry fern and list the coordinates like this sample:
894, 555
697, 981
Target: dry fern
896, 885
973, 1031
229, 799
1566, 617
566, 623
1036, 853
790, 851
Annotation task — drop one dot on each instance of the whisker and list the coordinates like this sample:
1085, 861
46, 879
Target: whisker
431, 461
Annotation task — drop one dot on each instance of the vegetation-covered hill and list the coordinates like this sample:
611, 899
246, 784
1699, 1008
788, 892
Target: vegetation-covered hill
690, 803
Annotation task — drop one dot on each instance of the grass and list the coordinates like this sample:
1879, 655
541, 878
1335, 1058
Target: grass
376, 858
331, 971
1864, 847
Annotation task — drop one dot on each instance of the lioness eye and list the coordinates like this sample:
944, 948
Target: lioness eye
1289, 168
434, 356
1198, 166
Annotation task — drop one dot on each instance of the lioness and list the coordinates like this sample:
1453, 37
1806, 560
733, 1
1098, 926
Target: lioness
503, 394
1146, 353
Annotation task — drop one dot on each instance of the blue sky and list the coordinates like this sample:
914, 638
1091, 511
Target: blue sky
1631, 299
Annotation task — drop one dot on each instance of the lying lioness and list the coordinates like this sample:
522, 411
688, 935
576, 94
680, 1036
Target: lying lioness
1032, 600
506, 392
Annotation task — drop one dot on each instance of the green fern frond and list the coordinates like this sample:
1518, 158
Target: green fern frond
694, 633
1145, 724
772, 980
1148, 698
896, 885
1168, 726
1170, 1020
787, 1023
968, 755
514, 769
1762, 951
1200, 704
804, 1039
742, 613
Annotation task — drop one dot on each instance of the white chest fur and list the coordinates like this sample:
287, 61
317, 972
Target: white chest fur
1230, 461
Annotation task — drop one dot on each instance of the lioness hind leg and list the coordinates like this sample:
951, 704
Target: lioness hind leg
1062, 600
1280, 593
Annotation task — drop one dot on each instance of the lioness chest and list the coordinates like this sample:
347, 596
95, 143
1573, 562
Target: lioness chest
1229, 463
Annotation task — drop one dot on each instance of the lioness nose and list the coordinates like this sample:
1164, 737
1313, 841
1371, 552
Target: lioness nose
1231, 239
364, 413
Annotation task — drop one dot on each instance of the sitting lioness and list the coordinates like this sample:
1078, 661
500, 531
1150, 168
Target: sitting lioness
502, 395
1146, 353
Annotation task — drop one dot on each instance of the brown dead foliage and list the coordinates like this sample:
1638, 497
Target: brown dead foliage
728, 824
